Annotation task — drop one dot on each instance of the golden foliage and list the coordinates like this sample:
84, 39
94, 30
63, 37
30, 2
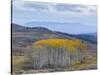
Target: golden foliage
71, 45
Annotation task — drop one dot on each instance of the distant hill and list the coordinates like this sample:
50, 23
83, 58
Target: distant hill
23, 36
18, 28
88, 37
66, 27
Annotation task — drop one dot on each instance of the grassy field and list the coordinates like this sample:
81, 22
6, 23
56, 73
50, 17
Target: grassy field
89, 64
54, 55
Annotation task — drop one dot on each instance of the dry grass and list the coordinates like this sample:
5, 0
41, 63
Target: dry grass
54, 52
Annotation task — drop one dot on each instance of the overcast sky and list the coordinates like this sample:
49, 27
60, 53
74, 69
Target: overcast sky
27, 11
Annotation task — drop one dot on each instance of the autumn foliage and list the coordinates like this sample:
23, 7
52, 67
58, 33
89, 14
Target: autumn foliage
71, 45
57, 52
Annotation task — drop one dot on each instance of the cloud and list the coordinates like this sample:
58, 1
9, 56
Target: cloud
30, 5
58, 8
53, 7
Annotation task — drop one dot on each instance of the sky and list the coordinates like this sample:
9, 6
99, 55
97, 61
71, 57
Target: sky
24, 12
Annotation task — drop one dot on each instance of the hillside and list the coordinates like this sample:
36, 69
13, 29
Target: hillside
26, 35
41, 48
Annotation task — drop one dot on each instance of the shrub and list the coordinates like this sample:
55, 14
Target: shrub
18, 63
